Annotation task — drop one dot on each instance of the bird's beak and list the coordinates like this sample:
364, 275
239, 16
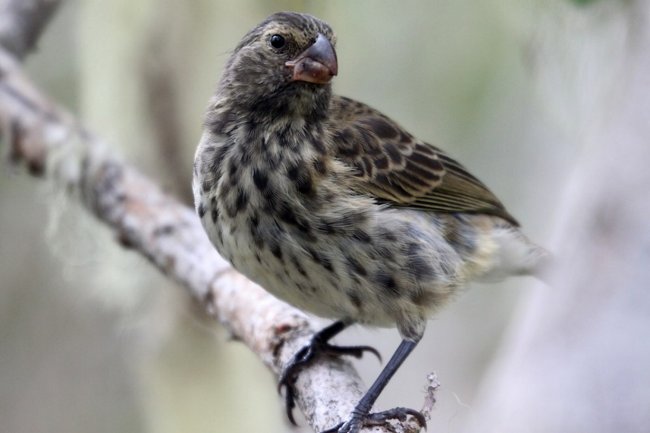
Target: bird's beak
317, 64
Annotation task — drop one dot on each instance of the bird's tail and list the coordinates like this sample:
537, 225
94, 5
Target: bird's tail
516, 255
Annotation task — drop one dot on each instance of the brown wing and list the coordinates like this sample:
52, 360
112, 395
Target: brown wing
394, 166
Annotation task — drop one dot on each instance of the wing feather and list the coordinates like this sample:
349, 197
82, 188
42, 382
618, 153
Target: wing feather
393, 166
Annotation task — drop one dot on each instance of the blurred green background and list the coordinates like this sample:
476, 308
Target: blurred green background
92, 339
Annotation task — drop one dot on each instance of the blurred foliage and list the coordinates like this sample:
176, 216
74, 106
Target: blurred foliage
583, 2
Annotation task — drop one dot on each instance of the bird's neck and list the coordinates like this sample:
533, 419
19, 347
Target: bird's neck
273, 138
299, 104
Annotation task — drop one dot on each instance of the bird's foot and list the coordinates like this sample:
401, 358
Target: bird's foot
318, 346
359, 420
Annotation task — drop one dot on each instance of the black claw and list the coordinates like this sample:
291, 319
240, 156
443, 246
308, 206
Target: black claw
297, 363
288, 378
356, 351
377, 419
360, 415
290, 403
398, 413
318, 346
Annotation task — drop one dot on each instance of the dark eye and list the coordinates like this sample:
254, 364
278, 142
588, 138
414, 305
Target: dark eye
277, 41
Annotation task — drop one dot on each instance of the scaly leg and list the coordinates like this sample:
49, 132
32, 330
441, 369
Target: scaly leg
361, 415
318, 346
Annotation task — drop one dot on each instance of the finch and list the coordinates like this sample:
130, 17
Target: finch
333, 207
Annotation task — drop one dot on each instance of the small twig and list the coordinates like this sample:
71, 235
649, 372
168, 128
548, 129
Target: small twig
430, 399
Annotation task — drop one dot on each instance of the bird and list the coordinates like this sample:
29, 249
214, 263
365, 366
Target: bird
335, 208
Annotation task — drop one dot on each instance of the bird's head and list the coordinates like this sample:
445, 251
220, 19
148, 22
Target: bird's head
283, 66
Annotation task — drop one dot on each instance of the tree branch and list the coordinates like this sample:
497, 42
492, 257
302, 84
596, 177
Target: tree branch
50, 143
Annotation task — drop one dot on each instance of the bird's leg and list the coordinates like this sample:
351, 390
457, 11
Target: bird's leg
319, 345
361, 415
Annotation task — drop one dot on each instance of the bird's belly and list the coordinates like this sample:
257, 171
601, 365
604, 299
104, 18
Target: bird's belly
291, 272
389, 278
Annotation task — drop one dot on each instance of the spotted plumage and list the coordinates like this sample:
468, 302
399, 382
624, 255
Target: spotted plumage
332, 206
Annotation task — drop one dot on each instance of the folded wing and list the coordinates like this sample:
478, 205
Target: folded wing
395, 167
